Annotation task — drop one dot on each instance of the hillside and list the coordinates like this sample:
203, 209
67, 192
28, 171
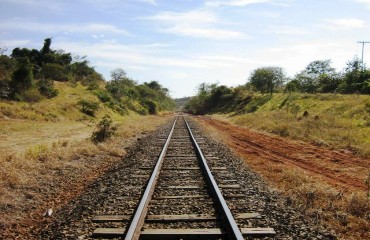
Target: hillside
181, 102
47, 157
59, 118
334, 120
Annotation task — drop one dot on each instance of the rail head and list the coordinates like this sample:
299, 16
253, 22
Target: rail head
234, 231
140, 213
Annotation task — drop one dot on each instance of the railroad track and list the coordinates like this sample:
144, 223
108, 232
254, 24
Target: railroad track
188, 195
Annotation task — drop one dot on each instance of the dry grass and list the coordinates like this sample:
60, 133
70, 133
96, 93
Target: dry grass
336, 121
346, 211
48, 174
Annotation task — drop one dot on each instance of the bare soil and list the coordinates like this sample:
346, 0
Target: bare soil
339, 168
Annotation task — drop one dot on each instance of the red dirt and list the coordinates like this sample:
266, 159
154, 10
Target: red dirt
339, 168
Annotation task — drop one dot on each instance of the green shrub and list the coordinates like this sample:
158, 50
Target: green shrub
152, 106
4, 89
30, 95
46, 88
54, 71
103, 95
88, 107
104, 130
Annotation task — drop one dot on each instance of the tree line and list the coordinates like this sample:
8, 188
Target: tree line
29, 75
317, 77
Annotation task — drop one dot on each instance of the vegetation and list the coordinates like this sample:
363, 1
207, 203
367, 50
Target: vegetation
266, 79
104, 130
53, 162
88, 107
30, 75
315, 105
123, 93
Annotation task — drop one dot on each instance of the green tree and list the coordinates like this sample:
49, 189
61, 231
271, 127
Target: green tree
122, 87
81, 70
266, 79
356, 79
46, 48
22, 77
7, 66
293, 86
318, 76
54, 71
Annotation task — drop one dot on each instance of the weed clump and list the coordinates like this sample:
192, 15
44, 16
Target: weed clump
104, 131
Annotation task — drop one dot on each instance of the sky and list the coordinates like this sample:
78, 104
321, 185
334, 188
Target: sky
183, 43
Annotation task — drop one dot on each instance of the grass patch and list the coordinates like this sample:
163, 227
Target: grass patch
49, 174
335, 121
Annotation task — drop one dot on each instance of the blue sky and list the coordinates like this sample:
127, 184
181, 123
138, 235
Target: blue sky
183, 43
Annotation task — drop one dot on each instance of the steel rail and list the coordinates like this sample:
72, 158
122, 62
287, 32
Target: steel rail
137, 222
234, 231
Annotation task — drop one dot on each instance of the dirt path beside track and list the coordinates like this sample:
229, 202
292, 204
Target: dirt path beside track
338, 168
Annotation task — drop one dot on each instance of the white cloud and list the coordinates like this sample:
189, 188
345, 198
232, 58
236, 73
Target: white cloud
234, 3
191, 17
287, 30
367, 2
346, 23
87, 28
13, 43
153, 2
197, 23
212, 33
305, 52
26, 2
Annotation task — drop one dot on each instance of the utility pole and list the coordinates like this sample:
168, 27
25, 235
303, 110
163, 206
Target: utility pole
363, 47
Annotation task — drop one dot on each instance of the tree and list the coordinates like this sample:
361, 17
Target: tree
356, 79
266, 79
46, 48
319, 67
117, 74
54, 71
22, 78
81, 70
292, 86
329, 83
318, 76
121, 87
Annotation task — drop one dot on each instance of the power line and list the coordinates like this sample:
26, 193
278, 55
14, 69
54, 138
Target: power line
363, 47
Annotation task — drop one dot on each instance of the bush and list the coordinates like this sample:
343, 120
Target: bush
152, 106
22, 77
4, 89
88, 107
54, 71
104, 130
30, 95
46, 88
103, 95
